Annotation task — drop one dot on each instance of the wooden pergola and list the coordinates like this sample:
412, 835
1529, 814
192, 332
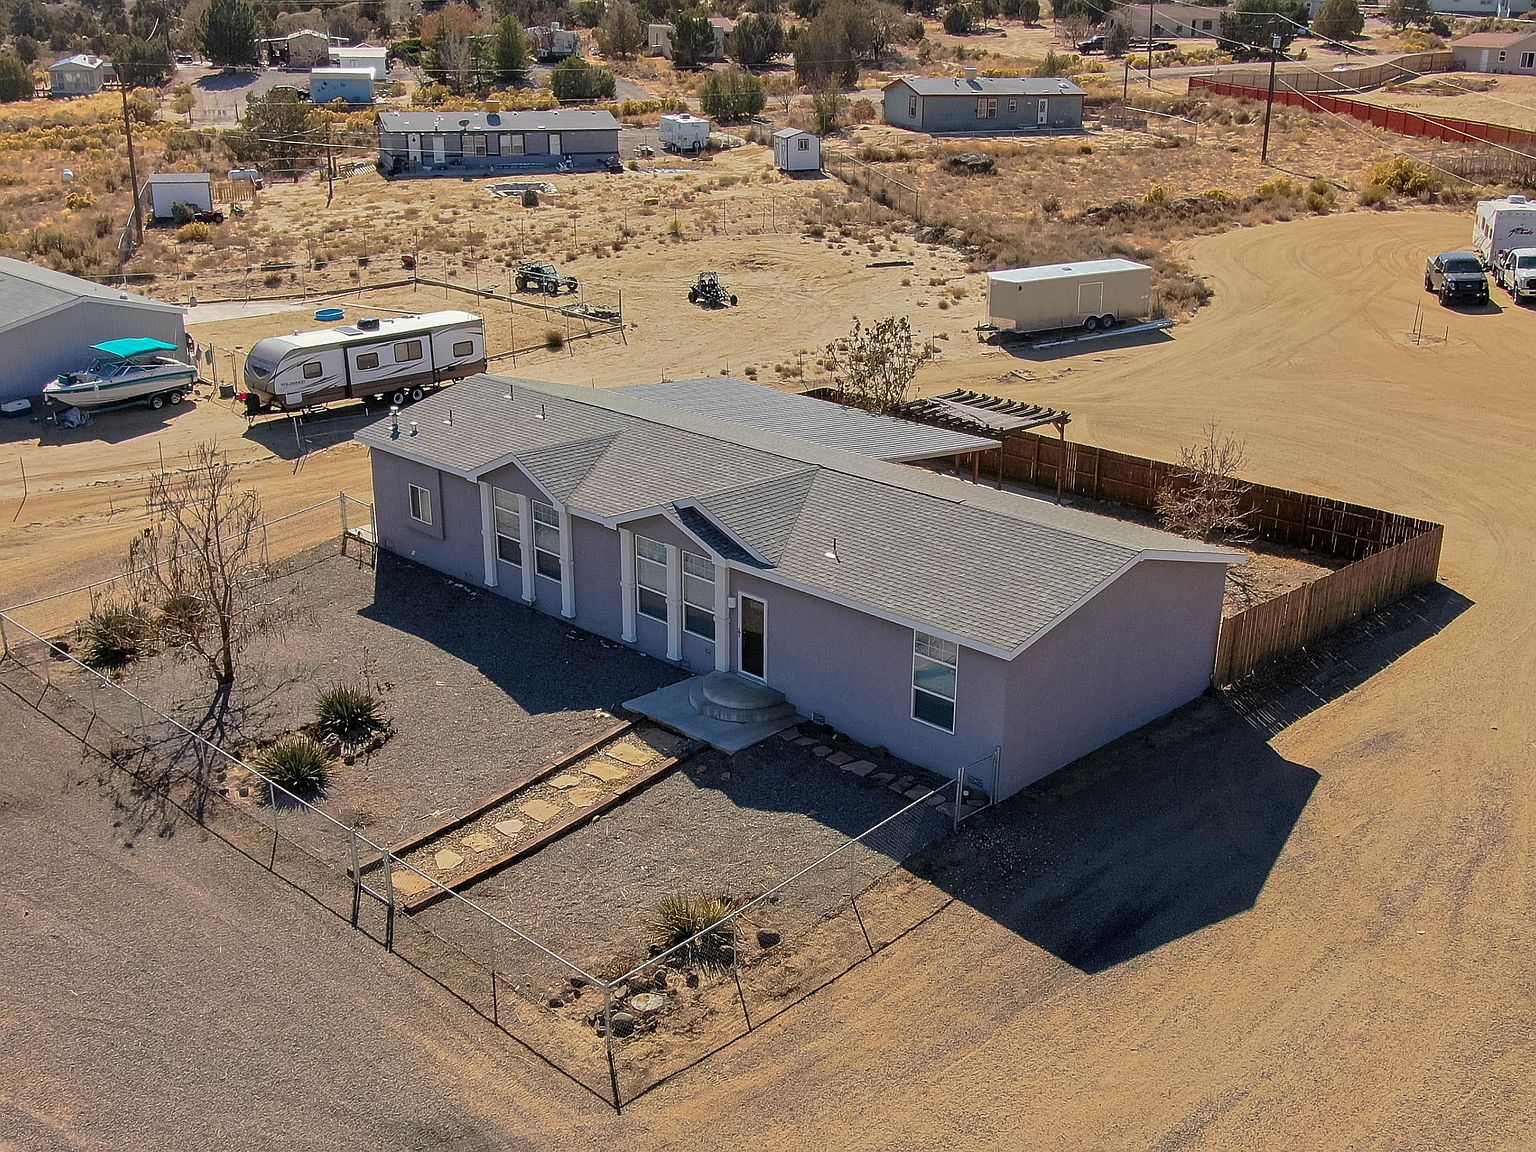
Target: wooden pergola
993, 416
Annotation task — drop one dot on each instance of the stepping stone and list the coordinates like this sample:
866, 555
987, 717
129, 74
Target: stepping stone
584, 797
509, 828
789, 735
902, 784
839, 758
605, 772
917, 792
936, 800
565, 780
447, 859
860, 768
539, 811
481, 842
805, 741
661, 742
821, 751
628, 752
409, 883
883, 777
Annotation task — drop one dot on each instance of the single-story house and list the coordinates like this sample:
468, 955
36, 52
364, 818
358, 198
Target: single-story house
552, 42
353, 86
49, 321
796, 150
369, 56
164, 190
979, 105
304, 48
1178, 20
1508, 52
79, 75
658, 37
496, 141
943, 620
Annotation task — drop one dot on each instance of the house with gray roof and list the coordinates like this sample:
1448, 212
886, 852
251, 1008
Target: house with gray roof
794, 575
983, 105
49, 321
457, 143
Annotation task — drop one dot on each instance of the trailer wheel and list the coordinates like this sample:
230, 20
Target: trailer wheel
416, 394
1091, 324
157, 401
522, 285
398, 399
175, 397
1107, 320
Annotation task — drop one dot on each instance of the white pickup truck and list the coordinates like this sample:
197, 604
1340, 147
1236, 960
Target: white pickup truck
1515, 271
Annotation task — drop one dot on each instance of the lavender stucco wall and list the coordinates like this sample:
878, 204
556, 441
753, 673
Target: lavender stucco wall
698, 653
1137, 651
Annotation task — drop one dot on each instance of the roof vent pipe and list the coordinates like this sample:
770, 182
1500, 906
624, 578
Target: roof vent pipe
413, 427
394, 422
448, 420
831, 553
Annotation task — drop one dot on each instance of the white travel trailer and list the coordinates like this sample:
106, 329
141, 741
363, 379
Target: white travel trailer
681, 132
402, 358
1502, 225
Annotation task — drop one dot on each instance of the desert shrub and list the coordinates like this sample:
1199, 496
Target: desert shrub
346, 715
111, 637
1320, 196
1218, 196
299, 764
1375, 196
530, 197
1409, 177
183, 213
1278, 188
182, 614
554, 339
193, 233
1157, 194
681, 918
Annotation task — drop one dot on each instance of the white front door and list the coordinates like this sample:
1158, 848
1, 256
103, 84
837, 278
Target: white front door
439, 150
1090, 299
1483, 67
1043, 113
554, 143
413, 147
752, 637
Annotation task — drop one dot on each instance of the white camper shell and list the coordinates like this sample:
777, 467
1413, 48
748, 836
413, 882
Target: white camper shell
681, 132
403, 358
1091, 294
1502, 225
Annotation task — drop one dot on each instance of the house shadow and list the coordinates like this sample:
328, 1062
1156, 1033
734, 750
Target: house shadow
543, 664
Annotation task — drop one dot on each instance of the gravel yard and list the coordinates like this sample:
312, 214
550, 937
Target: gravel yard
480, 690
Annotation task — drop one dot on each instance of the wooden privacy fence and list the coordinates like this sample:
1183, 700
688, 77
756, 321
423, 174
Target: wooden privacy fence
1399, 120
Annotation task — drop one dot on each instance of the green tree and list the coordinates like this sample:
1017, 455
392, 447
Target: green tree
280, 132
1339, 19
1088, 11
1401, 13
756, 40
1246, 28
15, 78
829, 107
1117, 39
733, 94
142, 63
621, 33
959, 20
510, 54
825, 54
227, 33
693, 39
573, 79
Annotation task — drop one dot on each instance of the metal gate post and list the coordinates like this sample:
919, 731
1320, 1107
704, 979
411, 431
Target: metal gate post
272, 790
389, 901
490, 963
959, 795
613, 1068
357, 879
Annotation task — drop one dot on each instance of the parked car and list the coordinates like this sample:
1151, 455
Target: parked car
183, 57
1515, 272
1456, 276
540, 275
1092, 44
1155, 46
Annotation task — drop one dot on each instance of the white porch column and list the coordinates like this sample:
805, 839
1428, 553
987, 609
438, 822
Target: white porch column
567, 568
488, 534
722, 618
627, 582
674, 604
525, 545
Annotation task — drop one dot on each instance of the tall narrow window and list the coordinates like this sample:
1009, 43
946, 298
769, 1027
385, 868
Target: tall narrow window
509, 536
651, 579
698, 595
421, 504
935, 663
546, 540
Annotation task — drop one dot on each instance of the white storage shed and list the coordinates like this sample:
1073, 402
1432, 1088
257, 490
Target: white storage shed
796, 150
165, 190
353, 86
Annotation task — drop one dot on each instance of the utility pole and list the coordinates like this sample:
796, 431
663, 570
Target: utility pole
1125, 87
1269, 102
1151, 23
133, 169
330, 168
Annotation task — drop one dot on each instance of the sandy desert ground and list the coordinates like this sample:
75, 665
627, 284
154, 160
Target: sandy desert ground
1377, 994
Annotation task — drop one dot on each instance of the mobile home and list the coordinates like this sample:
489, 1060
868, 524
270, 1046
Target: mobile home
1502, 225
1092, 293
403, 358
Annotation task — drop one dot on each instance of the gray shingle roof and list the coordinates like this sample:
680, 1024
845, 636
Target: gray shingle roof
554, 120
28, 291
987, 86
992, 569
789, 413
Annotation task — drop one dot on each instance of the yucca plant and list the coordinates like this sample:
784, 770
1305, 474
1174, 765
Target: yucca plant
111, 637
680, 918
300, 764
346, 715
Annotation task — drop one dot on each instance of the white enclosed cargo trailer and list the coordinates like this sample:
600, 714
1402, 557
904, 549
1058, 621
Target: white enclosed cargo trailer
681, 132
1502, 225
401, 358
1091, 294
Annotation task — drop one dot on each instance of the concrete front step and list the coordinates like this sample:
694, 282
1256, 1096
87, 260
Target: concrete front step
724, 696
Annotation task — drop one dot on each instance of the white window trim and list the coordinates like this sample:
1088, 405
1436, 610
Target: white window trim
666, 578
525, 530
627, 591
714, 596
674, 604
559, 527
913, 689
496, 534
722, 618
487, 534
411, 502
567, 565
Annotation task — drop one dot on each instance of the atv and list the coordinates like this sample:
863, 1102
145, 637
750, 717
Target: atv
708, 290
542, 277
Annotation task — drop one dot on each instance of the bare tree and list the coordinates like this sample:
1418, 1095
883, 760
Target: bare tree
1202, 497
874, 366
781, 89
195, 574
456, 61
